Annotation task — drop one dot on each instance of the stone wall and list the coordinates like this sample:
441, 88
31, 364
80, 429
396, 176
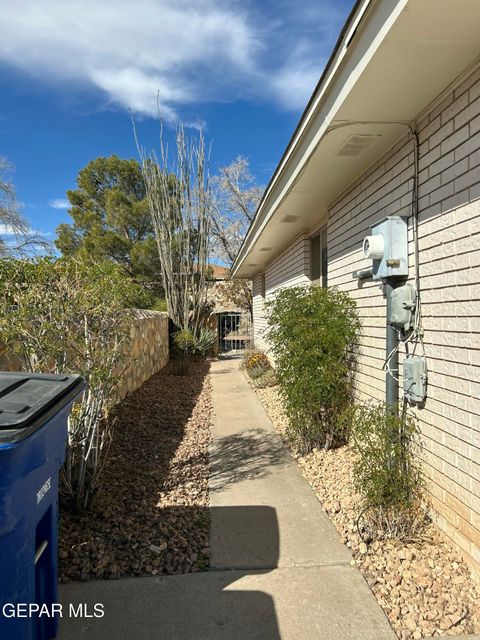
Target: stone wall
147, 351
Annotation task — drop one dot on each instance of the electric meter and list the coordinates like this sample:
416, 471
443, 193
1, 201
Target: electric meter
403, 302
387, 247
414, 379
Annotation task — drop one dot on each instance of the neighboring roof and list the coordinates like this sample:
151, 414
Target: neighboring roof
391, 60
218, 272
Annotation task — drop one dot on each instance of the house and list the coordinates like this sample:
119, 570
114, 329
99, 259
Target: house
402, 85
230, 316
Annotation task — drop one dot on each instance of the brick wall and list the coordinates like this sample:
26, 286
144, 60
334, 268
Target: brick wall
290, 269
259, 319
449, 238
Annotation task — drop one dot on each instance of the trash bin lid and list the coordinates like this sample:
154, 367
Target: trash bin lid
29, 400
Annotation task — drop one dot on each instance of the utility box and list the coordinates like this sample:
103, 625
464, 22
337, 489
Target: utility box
34, 410
414, 379
387, 247
403, 304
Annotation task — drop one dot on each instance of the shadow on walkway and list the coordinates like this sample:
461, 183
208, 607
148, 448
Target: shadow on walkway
252, 453
209, 605
277, 567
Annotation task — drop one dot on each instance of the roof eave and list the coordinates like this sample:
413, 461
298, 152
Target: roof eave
345, 37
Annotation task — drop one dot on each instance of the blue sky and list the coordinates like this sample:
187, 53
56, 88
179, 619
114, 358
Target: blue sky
72, 70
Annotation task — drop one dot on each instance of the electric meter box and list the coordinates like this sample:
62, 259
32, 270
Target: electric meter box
404, 300
388, 248
414, 379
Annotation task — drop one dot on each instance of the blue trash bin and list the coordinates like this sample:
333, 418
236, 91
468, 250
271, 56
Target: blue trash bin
34, 409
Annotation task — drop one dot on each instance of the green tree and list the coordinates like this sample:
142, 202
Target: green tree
71, 315
111, 220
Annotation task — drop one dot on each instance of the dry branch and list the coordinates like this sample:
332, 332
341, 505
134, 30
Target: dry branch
179, 199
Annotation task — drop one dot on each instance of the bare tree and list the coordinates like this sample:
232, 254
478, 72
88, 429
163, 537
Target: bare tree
180, 204
236, 199
15, 233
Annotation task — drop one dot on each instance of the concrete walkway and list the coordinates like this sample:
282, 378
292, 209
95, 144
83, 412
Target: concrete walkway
277, 567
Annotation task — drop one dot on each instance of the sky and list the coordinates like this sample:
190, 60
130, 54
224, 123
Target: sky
72, 73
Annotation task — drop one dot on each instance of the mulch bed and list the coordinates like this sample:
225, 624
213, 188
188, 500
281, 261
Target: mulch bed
424, 587
151, 515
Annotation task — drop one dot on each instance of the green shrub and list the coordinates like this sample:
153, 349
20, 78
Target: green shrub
257, 370
184, 341
204, 341
387, 470
159, 304
187, 346
313, 333
62, 315
182, 351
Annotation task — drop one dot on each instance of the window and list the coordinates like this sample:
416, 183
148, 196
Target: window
319, 258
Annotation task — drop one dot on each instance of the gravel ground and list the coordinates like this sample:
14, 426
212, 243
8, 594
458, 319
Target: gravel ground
424, 588
151, 516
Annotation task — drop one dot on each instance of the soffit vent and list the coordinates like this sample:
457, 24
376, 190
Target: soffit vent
289, 218
356, 144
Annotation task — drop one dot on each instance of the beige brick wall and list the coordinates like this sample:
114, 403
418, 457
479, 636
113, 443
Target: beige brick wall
259, 317
449, 232
449, 238
290, 269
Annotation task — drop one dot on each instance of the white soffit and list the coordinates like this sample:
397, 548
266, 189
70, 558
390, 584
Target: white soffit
428, 43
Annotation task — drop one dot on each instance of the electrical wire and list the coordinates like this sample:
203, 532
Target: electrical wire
415, 336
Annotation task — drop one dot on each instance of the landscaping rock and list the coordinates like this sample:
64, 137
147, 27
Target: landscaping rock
424, 586
151, 515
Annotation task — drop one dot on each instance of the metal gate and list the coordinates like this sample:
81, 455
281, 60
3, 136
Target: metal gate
234, 331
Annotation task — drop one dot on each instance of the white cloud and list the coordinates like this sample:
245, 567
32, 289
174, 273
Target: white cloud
294, 83
187, 51
129, 49
6, 230
59, 203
